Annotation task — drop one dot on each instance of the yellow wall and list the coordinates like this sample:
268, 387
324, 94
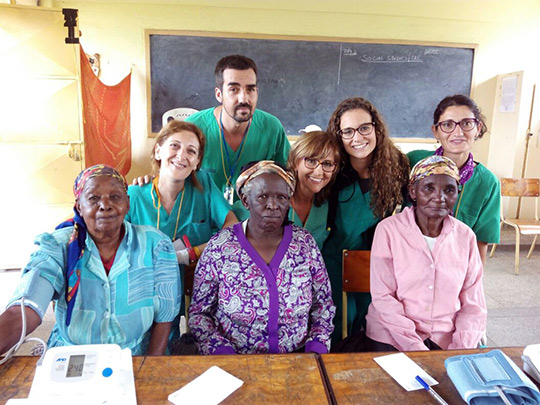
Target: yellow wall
507, 35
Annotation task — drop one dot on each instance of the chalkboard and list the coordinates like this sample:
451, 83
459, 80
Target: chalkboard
301, 82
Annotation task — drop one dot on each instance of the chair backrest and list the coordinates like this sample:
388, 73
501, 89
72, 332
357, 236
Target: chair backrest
179, 114
512, 187
517, 187
356, 270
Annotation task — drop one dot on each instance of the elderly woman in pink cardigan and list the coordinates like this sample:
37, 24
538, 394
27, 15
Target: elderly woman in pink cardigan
426, 272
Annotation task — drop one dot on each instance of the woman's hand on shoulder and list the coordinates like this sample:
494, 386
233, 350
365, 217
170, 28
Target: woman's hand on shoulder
142, 180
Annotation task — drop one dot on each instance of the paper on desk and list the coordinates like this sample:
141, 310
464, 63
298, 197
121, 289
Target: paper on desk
402, 369
211, 387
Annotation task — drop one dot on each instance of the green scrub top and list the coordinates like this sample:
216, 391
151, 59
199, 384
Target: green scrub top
202, 214
265, 140
316, 222
354, 228
479, 203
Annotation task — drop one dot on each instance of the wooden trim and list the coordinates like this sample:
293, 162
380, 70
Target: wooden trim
149, 132
247, 35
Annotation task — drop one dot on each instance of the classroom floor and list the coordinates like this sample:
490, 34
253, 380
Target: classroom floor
513, 300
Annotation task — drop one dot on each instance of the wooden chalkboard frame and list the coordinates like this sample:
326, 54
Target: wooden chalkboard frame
233, 35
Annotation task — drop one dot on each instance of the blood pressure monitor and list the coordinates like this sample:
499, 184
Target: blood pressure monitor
96, 373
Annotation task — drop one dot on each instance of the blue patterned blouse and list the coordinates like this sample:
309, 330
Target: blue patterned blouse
143, 287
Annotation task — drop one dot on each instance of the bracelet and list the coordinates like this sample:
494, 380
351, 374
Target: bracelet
192, 255
197, 251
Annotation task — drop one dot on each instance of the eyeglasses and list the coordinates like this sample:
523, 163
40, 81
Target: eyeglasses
364, 129
466, 124
327, 165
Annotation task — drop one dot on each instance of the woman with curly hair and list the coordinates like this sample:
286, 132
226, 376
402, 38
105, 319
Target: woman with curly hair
371, 184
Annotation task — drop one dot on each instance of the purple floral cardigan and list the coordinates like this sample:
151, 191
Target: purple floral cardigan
240, 304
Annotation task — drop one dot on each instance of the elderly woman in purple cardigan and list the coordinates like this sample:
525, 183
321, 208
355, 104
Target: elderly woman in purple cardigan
261, 286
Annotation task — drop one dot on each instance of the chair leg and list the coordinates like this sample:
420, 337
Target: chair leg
492, 250
517, 252
344, 317
532, 246
495, 245
187, 299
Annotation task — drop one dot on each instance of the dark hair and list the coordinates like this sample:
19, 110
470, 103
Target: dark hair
237, 62
389, 167
315, 145
174, 127
460, 100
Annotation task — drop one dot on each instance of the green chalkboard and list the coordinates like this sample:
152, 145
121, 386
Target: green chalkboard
301, 82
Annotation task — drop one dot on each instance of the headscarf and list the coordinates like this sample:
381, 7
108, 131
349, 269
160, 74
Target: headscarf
96, 171
466, 171
434, 165
76, 243
262, 167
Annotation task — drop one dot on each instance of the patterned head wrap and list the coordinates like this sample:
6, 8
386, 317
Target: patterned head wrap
262, 167
434, 165
96, 171
77, 240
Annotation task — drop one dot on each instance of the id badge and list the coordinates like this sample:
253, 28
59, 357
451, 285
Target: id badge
229, 194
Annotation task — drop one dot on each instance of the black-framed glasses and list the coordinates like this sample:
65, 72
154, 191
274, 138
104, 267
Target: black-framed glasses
466, 124
363, 129
327, 165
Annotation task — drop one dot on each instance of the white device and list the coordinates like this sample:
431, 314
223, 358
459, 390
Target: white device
531, 361
97, 374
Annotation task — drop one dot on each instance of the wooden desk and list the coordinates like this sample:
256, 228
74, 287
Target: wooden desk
292, 378
356, 378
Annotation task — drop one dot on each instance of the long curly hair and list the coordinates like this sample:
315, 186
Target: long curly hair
389, 167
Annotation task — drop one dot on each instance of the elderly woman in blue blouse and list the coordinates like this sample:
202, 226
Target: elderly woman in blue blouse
112, 282
261, 285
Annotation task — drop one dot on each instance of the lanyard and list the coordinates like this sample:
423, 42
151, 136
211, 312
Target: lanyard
158, 206
232, 168
459, 202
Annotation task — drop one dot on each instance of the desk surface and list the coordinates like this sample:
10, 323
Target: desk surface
356, 378
292, 378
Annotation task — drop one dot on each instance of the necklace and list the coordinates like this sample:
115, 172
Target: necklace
158, 206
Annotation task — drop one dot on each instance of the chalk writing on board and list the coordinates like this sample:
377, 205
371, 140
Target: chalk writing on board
431, 51
392, 58
349, 52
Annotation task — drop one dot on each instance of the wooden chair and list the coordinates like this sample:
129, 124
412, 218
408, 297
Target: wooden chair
189, 275
179, 114
355, 272
512, 187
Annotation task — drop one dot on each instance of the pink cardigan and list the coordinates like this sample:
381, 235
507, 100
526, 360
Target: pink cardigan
418, 294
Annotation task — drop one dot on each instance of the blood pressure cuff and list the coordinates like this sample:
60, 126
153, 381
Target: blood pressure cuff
475, 377
36, 290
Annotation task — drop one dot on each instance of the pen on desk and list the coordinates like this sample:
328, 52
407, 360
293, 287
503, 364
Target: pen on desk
431, 391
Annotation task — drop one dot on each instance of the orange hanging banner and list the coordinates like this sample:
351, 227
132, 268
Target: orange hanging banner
106, 120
